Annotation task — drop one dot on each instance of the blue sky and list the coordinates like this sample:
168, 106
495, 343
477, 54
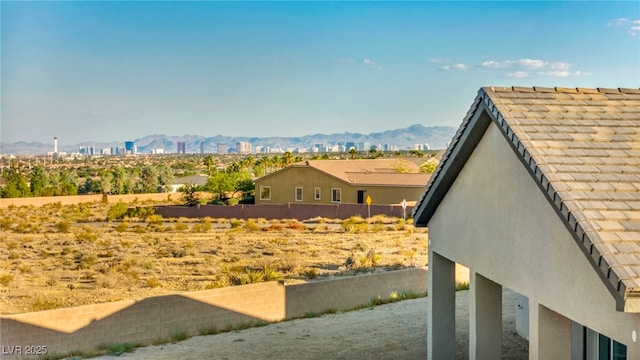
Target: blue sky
113, 71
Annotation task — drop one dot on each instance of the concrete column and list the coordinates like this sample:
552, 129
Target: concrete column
485, 318
441, 330
549, 334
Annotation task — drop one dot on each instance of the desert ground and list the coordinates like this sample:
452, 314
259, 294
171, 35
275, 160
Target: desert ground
392, 331
57, 255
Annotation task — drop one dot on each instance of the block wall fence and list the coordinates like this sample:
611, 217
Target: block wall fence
150, 319
241, 211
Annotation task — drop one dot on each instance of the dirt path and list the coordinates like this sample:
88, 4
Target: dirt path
392, 331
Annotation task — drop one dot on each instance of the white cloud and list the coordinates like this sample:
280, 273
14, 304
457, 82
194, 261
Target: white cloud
460, 67
518, 74
632, 26
522, 68
372, 64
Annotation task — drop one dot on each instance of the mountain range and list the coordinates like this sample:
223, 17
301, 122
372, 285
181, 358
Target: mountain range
436, 136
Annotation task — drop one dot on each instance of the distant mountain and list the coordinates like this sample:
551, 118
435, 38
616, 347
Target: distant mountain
437, 137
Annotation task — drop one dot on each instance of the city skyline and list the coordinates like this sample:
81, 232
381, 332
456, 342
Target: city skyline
97, 70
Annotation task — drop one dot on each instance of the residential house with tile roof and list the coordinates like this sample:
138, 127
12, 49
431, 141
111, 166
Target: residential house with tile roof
384, 181
539, 192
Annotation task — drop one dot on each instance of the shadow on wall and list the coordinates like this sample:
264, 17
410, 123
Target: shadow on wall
155, 319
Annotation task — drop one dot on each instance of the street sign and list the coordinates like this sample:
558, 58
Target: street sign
368, 200
404, 203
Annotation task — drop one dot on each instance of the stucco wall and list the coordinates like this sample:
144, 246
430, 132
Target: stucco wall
146, 320
77, 199
496, 221
283, 186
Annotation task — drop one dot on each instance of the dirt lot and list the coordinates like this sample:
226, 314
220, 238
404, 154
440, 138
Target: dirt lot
67, 255
392, 331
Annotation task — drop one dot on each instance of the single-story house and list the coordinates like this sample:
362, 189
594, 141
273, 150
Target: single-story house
197, 180
539, 192
383, 181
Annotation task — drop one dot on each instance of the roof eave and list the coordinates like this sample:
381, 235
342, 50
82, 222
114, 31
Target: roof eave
462, 145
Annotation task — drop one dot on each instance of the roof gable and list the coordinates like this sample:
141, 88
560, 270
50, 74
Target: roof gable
582, 147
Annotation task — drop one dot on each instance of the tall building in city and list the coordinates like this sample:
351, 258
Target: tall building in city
202, 147
243, 147
222, 148
130, 148
55, 144
182, 147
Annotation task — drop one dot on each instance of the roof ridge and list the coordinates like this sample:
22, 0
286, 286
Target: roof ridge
557, 89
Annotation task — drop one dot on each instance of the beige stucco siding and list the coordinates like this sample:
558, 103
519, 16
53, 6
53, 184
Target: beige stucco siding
495, 220
283, 186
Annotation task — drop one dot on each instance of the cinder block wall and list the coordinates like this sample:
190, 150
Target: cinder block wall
77, 199
349, 292
147, 320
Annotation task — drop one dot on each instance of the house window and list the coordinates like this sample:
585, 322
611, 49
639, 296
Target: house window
316, 193
336, 195
265, 192
600, 347
298, 193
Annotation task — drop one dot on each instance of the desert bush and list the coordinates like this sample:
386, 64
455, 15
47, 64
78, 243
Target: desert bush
117, 211
235, 223
271, 274
400, 224
85, 259
155, 219
6, 279
180, 226
310, 273
153, 282
46, 303
252, 225
179, 335
63, 226
86, 233
122, 227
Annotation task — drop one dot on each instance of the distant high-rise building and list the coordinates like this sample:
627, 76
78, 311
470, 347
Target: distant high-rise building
202, 147
222, 148
55, 144
182, 147
243, 147
130, 148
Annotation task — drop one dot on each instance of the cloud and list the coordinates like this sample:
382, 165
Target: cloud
632, 26
372, 64
460, 67
523, 68
518, 74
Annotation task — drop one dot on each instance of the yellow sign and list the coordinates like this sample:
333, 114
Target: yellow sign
368, 200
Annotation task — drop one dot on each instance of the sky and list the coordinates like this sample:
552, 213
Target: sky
100, 71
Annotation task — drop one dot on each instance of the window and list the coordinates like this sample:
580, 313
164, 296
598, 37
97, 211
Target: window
265, 192
336, 195
298, 193
316, 193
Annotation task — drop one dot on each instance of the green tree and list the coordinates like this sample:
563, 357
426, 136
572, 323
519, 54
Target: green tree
38, 180
148, 181
121, 181
190, 195
353, 152
165, 177
106, 182
16, 185
221, 183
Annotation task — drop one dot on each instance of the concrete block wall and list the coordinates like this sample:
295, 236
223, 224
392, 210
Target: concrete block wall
77, 199
348, 292
147, 320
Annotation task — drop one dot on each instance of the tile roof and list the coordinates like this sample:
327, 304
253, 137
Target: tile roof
371, 172
582, 146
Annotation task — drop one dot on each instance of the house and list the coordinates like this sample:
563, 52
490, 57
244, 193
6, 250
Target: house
539, 192
384, 181
197, 180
